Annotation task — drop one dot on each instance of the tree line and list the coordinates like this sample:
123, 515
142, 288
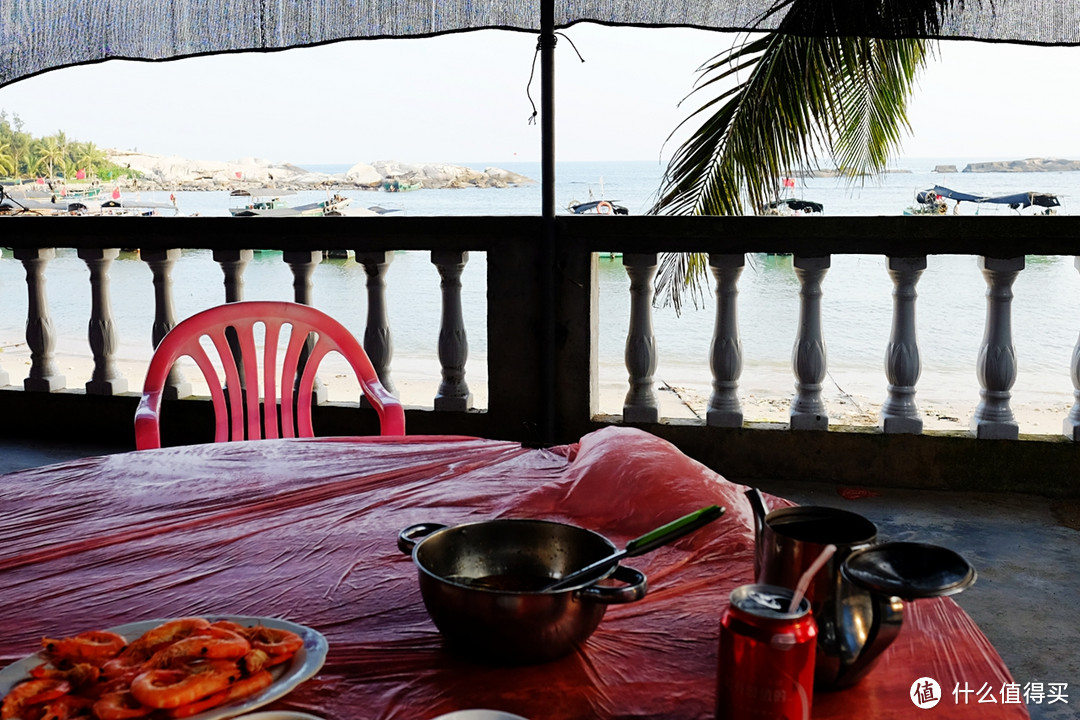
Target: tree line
23, 156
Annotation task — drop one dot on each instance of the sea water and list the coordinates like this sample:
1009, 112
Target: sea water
856, 306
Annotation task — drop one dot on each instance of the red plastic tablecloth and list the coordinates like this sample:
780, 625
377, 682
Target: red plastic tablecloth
306, 530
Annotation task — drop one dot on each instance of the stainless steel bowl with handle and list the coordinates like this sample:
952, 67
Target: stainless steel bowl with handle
483, 586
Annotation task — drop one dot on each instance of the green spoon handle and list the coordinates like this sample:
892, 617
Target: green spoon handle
673, 530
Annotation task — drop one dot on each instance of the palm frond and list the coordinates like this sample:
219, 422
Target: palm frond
778, 102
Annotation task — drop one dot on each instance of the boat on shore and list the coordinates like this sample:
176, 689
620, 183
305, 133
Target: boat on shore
598, 207
935, 202
793, 207
268, 202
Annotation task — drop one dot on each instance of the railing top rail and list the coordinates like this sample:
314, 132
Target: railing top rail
896, 236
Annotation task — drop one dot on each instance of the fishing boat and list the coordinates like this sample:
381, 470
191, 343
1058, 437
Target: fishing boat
394, 184
935, 202
598, 207
787, 205
268, 202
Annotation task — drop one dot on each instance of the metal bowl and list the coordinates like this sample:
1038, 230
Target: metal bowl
482, 586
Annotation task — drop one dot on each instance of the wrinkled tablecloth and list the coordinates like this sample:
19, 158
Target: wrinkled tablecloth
306, 530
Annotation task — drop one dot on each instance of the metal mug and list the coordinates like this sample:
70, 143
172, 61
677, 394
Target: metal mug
854, 625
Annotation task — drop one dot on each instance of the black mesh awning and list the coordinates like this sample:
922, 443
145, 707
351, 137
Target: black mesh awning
40, 35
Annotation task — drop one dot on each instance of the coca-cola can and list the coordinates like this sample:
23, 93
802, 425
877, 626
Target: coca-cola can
766, 663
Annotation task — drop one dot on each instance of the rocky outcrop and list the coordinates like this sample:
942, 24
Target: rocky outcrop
177, 173
944, 168
1029, 165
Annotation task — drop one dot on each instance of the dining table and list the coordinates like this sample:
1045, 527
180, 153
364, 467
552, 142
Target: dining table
306, 530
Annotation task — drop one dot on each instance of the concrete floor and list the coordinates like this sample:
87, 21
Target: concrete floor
1026, 550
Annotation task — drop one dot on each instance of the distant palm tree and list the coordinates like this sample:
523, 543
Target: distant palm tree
89, 156
48, 154
7, 158
817, 87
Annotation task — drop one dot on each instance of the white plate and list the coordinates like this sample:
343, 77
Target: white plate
302, 666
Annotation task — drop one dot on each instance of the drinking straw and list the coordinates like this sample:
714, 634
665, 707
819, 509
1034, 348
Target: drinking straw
804, 581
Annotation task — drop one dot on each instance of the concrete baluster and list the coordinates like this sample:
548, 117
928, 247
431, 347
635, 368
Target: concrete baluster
900, 412
44, 376
106, 378
1071, 424
725, 410
993, 417
303, 264
808, 359
453, 393
641, 404
378, 340
232, 263
161, 264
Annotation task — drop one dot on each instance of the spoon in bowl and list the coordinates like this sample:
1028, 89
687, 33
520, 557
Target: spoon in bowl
639, 546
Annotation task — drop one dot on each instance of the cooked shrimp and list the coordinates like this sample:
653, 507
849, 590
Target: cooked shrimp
169, 688
217, 644
65, 706
78, 674
120, 705
169, 632
245, 687
32, 692
274, 641
95, 647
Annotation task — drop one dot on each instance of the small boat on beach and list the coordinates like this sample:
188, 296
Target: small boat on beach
598, 207
934, 202
793, 206
268, 202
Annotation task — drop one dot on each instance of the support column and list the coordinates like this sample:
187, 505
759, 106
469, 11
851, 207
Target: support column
232, 264
900, 412
106, 378
1071, 425
640, 404
161, 264
453, 391
726, 356
4, 378
993, 417
808, 359
40, 335
378, 340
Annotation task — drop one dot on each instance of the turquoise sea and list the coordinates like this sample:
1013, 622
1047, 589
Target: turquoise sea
857, 300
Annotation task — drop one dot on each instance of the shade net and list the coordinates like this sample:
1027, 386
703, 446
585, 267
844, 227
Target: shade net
305, 530
39, 35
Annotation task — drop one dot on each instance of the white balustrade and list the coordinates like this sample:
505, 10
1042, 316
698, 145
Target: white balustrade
378, 340
900, 412
161, 263
726, 354
808, 358
453, 393
1071, 424
640, 404
44, 375
106, 378
996, 367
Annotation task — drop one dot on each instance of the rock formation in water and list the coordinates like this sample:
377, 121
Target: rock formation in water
1029, 165
944, 168
177, 173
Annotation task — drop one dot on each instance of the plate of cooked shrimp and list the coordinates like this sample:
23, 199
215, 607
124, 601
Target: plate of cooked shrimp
202, 668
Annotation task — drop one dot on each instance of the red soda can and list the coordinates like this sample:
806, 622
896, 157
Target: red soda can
766, 663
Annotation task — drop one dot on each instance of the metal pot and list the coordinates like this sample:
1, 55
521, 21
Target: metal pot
481, 583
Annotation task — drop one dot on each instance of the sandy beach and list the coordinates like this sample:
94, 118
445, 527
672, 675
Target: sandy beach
766, 398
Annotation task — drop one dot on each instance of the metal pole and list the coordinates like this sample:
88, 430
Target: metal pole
547, 267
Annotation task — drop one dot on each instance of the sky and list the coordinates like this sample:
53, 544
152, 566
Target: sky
462, 98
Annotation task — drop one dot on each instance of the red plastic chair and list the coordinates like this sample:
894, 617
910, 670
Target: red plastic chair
243, 317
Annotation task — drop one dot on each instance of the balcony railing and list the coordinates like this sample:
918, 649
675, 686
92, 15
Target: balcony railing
542, 370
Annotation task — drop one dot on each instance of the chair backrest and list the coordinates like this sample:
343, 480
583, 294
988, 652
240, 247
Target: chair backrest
230, 328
